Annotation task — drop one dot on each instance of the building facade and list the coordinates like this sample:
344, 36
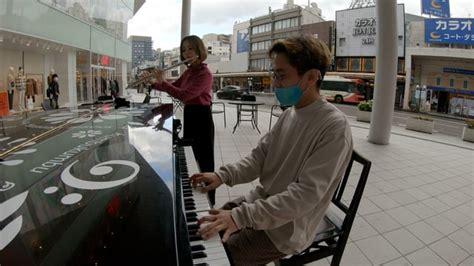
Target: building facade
440, 76
277, 25
142, 49
84, 42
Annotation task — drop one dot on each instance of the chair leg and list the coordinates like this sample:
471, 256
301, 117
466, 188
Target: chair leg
270, 125
224, 119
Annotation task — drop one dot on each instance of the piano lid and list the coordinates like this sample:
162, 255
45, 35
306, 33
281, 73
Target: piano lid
96, 191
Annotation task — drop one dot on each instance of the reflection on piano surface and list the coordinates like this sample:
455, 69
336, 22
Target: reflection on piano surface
103, 186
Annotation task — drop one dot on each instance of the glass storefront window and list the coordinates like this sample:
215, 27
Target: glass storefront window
98, 13
83, 76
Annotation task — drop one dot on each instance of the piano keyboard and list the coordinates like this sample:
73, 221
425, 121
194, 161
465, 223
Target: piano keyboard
196, 205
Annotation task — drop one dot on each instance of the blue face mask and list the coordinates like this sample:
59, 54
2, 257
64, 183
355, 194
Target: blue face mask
288, 96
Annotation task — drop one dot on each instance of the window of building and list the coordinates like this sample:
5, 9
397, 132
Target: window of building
342, 64
258, 46
286, 23
401, 66
368, 65
260, 64
451, 82
438, 81
464, 84
262, 28
355, 64
342, 42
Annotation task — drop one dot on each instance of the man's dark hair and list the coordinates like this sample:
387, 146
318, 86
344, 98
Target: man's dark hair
304, 53
197, 44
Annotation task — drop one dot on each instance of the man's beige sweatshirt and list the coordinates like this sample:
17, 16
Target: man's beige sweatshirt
299, 163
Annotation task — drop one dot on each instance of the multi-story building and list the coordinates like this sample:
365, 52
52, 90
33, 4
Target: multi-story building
83, 41
277, 25
356, 46
439, 67
142, 49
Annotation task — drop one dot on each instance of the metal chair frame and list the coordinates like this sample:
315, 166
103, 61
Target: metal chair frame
334, 230
219, 111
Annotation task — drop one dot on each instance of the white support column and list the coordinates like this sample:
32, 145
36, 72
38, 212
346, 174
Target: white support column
71, 79
406, 96
186, 18
124, 78
185, 24
385, 72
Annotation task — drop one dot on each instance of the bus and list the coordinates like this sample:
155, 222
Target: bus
343, 90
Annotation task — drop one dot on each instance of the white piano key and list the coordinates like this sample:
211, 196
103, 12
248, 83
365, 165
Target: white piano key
214, 248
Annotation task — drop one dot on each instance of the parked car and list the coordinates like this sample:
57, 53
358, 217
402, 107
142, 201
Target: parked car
231, 92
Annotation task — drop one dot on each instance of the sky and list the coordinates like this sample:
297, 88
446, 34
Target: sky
161, 19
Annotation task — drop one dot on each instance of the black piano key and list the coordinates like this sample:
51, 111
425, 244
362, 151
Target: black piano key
201, 264
192, 219
193, 238
191, 215
193, 226
197, 248
192, 232
198, 255
189, 200
189, 206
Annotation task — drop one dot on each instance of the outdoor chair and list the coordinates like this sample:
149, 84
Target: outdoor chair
274, 112
147, 98
333, 231
219, 110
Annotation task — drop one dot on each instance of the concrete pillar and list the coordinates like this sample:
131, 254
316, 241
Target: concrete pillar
124, 78
71, 81
406, 96
185, 18
385, 72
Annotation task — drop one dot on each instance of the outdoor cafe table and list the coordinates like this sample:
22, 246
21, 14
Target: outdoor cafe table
249, 107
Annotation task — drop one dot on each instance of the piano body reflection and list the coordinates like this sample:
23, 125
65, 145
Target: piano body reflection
96, 185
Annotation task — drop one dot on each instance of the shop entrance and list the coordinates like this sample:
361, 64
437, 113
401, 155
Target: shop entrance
443, 102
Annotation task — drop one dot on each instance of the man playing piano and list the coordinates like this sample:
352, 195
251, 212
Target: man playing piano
299, 164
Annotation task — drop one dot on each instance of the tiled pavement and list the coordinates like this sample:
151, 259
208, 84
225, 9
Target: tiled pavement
417, 207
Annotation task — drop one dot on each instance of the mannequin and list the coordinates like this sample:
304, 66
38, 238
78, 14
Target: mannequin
50, 77
20, 84
11, 86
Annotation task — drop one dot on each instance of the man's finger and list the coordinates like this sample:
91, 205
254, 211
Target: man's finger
214, 211
213, 230
206, 228
207, 218
226, 235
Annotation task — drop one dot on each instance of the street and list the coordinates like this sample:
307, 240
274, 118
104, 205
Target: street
451, 127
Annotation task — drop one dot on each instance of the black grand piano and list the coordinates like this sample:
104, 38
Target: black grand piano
99, 186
